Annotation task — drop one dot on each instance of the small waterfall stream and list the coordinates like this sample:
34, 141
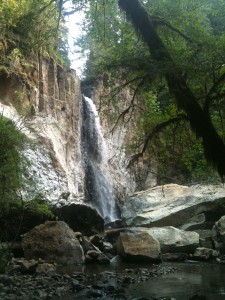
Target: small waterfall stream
98, 182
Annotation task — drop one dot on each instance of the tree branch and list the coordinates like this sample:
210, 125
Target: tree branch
159, 21
210, 97
158, 128
119, 88
131, 105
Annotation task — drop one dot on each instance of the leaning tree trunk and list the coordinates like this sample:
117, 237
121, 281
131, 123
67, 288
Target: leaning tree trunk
200, 120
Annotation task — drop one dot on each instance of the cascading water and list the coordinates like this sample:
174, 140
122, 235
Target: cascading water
99, 190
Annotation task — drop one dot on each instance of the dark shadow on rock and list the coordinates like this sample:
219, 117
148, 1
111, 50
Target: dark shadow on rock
198, 297
81, 218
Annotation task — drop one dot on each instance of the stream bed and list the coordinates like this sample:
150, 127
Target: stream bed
188, 280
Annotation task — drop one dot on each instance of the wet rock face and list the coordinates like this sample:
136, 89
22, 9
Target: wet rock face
54, 242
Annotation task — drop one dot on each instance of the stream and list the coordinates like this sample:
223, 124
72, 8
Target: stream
189, 279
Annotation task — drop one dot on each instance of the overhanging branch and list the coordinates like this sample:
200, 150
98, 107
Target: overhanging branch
131, 105
211, 94
158, 128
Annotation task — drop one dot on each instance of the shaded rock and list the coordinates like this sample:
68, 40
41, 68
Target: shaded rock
87, 245
6, 280
113, 234
174, 205
93, 253
53, 241
108, 248
137, 245
103, 259
96, 256
28, 266
81, 217
119, 223
198, 297
46, 268
218, 235
196, 222
203, 254
174, 256
205, 238
78, 234
89, 259
31, 266
173, 240
98, 241
93, 293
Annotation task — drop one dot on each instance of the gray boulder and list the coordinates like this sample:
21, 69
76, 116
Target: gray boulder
203, 254
174, 205
174, 256
53, 241
138, 246
81, 217
218, 234
173, 240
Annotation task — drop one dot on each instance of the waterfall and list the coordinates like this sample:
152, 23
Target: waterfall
98, 182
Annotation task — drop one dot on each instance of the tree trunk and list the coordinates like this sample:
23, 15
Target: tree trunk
200, 121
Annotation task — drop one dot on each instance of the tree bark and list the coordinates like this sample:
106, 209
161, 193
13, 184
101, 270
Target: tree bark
200, 120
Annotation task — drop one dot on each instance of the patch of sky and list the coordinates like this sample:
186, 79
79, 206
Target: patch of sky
74, 24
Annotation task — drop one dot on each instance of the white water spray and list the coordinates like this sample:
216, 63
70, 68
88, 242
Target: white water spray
98, 181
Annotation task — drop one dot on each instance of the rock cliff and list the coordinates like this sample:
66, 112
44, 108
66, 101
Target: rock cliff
49, 110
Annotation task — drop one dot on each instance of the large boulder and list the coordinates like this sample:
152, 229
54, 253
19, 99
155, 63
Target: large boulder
174, 205
53, 241
81, 217
173, 240
138, 246
218, 235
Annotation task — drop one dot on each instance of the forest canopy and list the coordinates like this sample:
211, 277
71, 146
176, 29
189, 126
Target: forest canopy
171, 54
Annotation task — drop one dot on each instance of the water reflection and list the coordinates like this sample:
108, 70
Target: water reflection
190, 282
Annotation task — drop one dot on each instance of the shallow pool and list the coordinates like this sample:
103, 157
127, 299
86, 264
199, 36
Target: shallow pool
189, 279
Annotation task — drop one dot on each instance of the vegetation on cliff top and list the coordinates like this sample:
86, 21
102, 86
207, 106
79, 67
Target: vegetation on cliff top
29, 28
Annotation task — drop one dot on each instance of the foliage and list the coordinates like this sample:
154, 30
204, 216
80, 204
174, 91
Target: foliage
29, 28
16, 211
194, 37
12, 143
38, 205
3, 260
20, 217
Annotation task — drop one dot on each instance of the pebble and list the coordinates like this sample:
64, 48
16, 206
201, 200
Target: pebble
20, 286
